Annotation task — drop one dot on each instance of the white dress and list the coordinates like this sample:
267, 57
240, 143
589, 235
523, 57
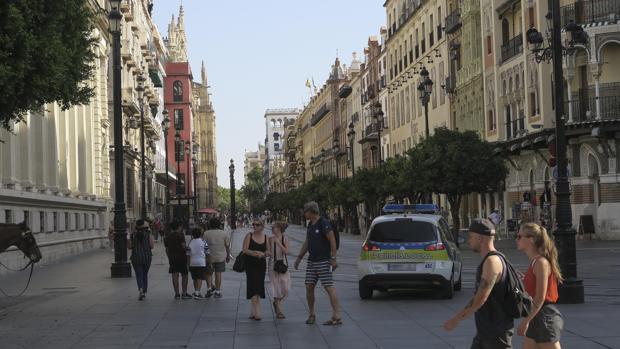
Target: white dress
280, 283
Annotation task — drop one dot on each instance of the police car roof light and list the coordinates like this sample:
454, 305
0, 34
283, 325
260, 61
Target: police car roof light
416, 208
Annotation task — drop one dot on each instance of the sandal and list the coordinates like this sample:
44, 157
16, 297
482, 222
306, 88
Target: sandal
333, 322
311, 320
251, 317
280, 315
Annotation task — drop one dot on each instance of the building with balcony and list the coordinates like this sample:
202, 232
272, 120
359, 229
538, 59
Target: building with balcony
275, 119
520, 106
252, 160
416, 40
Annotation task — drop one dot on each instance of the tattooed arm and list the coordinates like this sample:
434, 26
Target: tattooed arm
491, 271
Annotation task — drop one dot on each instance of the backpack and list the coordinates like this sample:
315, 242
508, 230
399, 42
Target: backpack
517, 303
334, 229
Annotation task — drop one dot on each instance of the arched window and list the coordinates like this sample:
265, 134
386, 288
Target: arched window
177, 91
273, 123
276, 136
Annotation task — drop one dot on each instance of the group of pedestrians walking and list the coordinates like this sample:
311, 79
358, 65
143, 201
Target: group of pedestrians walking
543, 325
204, 258
263, 253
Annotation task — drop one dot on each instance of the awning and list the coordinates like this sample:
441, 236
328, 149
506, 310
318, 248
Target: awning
208, 210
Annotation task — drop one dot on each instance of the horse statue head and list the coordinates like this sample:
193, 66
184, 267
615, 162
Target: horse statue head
20, 236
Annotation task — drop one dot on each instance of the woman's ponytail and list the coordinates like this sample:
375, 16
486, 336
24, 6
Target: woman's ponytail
545, 247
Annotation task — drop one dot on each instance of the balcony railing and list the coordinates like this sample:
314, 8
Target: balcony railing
584, 109
516, 127
512, 47
589, 11
370, 133
453, 21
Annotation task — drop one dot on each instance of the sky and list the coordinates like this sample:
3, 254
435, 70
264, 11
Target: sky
259, 54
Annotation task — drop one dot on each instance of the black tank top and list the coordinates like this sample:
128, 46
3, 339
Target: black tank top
491, 319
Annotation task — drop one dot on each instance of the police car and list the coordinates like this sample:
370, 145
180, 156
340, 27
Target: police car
409, 247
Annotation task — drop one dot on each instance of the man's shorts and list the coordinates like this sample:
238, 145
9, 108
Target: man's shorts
178, 267
321, 270
501, 342
198, 273
218, 267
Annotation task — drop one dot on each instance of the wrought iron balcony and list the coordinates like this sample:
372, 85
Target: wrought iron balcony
370, 133
453, 21
512, 47
590, 11
584, 108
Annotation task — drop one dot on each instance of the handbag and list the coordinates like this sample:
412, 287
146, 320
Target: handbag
239, 265
279, 266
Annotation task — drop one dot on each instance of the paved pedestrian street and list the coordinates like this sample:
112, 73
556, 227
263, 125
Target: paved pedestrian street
75, 304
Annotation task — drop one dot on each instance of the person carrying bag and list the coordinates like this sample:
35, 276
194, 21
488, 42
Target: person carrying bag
278, 267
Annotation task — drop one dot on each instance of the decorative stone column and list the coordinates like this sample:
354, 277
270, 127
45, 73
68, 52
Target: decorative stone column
595, 69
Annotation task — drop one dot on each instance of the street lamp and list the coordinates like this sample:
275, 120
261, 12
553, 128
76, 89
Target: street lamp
120, 267
140, 89
571, 290
178, 154
378, 116
351, 136
425, 88
336, 151
195, 166
188, 193
165, 125
233, 204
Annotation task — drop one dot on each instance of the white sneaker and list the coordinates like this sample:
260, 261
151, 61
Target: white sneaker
217, 294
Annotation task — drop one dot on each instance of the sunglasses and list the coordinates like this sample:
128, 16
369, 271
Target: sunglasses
257, 225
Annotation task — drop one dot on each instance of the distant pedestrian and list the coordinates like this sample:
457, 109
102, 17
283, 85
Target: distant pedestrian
320, 244
177, 258
197, 252
543, 327
280, 282
256, 249
219, 246
141, 243
495, 217
493, 325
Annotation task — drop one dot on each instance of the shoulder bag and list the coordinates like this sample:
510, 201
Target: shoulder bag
279, 266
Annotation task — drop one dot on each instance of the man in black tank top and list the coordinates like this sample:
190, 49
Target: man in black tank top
494, 327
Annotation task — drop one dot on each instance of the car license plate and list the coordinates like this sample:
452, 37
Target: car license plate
402, 266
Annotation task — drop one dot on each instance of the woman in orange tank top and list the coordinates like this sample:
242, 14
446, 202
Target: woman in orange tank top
543, 327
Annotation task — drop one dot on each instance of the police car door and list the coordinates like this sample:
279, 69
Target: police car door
453, 251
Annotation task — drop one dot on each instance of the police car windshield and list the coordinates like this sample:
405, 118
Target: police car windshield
404, 230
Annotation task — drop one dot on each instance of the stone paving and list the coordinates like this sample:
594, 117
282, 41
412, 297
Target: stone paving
75, 304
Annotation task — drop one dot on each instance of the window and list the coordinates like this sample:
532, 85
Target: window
403, 230
86, 221
489, 45
276, 136
423, 38
177, 91
55, 221
27, 218
533, 104
439, 26
178, 151
66, 227
181, 183
276, 146
492, 124
431, 40
530, 12
178, 119
42, 222
8, 217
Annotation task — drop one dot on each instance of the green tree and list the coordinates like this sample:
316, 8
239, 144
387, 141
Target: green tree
223, 199
46, 55
253, 190
457, 164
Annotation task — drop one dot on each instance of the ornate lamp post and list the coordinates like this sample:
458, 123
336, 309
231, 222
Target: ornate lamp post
194, 166
378, 116
188, 193
571, 290
120, 267
336, 151
425, 88
233, 204
165, 125
140, 88
178, 154
355, 229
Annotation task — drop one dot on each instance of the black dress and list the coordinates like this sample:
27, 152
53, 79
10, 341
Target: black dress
255, 269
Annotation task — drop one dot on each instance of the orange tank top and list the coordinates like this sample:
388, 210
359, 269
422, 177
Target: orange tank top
530, 284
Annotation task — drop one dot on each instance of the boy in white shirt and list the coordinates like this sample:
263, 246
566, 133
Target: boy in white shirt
197, 252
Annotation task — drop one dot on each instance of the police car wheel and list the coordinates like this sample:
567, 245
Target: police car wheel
365, 290
447, 289
459, 284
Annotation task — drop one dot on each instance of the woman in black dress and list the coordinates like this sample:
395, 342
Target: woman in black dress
256, 249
